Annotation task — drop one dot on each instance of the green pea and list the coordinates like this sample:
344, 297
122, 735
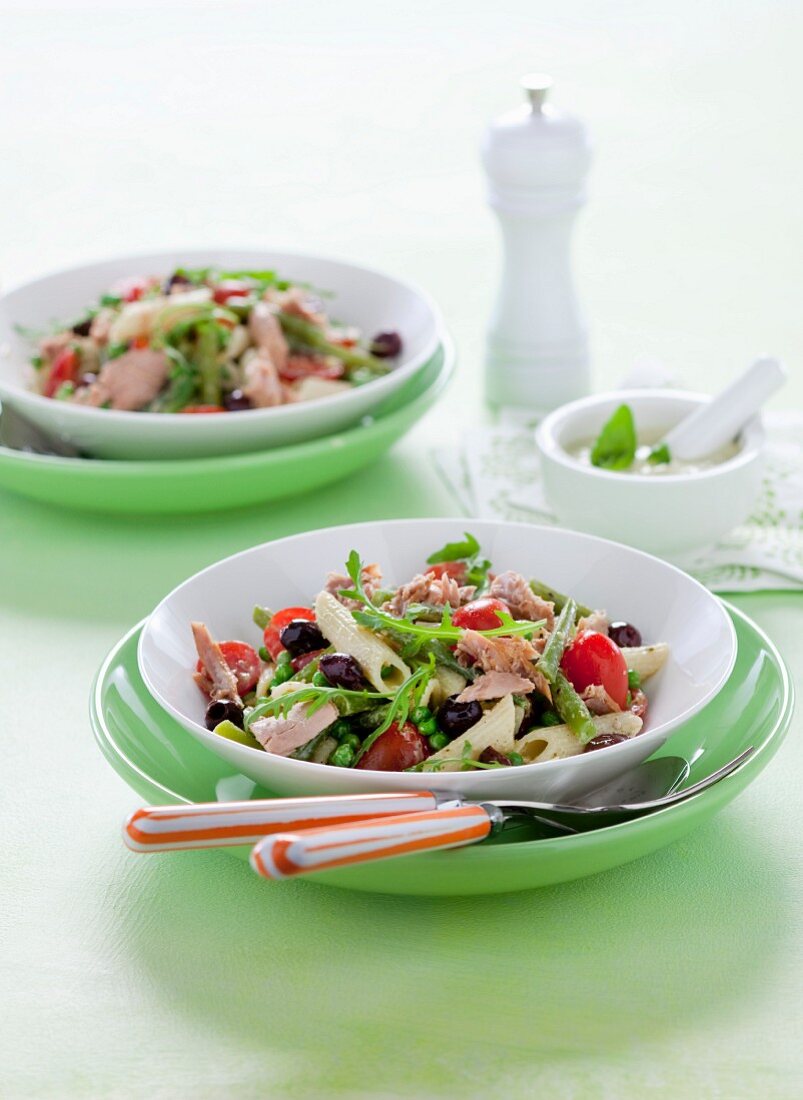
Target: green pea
352, 740
342, 757
264, 654
633, 679
428, 726
515, 758
421, 714
438, 741
549, 718
283, 670
340, 729
319, 680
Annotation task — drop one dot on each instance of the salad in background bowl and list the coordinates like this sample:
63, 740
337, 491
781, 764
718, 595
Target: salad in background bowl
460, 673
112, 357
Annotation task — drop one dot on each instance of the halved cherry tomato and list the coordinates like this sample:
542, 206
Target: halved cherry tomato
311, 366
66, 367
277, 624
592, 658
132, 289
140, 342
481, 614
454, 569
398, 748
192, 409
230, 289
243, 660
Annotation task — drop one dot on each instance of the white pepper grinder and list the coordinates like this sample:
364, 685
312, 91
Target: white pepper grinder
536, 159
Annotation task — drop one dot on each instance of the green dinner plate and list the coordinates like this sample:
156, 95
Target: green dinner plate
164, 764
210, 484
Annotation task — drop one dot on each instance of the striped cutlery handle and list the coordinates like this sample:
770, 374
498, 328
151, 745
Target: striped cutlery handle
299, 853
220, 824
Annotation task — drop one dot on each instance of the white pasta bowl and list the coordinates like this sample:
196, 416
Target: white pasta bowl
663, 602
371, 299
667, 514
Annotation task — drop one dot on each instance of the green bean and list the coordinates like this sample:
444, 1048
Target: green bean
312, 336
206, 354
557, 598
549, 661
573, 710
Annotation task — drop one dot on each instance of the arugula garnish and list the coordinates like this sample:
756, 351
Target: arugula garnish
407, 698
464, 760
444, 631
468, 551
615, 446
315, 696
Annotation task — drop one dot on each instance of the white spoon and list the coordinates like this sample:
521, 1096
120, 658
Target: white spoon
712, 426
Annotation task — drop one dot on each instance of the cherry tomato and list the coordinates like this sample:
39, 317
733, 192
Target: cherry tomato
482, 614
399, 747
140, 342
243, 660
131, 290
193, 409
279, 622
311, 366
65, 368
454, 569
592, 658
230, 289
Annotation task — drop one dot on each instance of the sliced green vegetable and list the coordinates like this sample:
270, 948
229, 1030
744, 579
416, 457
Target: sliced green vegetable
549, 661
231, 732
261, 616
615, 446
557, 598
572, 709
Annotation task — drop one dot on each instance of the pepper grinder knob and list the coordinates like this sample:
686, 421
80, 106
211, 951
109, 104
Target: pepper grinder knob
536, 159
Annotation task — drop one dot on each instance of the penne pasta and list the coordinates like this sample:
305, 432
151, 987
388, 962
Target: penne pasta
369, 651
494, 730
559, 742
646, 660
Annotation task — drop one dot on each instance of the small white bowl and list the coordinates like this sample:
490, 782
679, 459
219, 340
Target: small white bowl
368, 298
666, 514
663, 602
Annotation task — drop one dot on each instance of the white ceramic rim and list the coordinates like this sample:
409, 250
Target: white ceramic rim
545, 766
403, 373
546, 437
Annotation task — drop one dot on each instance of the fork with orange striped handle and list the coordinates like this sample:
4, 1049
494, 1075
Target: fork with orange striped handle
222, 824
451, 825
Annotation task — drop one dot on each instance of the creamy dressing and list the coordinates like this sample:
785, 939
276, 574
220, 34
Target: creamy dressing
640, 465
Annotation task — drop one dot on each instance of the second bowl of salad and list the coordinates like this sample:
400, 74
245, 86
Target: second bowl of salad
503, 660
196, 353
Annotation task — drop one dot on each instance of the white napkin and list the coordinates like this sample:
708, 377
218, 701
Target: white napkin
494, 473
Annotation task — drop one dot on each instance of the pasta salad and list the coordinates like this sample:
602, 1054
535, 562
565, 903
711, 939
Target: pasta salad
204, 340
458, 668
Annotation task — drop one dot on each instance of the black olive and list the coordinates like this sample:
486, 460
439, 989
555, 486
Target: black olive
341, 670
301, 636
82, 327
624, 634
455, 718
176, 279
493, 756
236, 401
386, 345
603, 740
223, 710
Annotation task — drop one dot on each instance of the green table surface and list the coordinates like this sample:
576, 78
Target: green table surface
680, 975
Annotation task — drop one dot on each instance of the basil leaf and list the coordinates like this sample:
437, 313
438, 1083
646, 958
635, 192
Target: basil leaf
659, 456
455, 551
615, 446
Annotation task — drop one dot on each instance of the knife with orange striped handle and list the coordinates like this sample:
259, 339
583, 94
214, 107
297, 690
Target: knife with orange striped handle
300, 853
221, 824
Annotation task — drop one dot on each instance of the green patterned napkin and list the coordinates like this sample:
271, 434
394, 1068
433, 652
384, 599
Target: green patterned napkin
494, 473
